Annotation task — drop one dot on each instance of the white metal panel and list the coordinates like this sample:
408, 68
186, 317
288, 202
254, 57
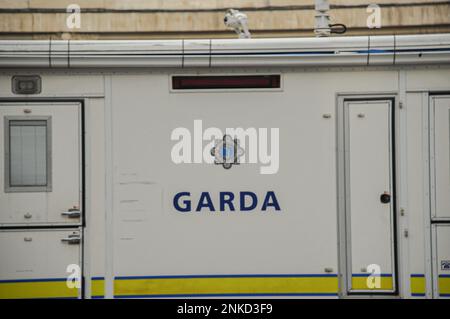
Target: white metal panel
36, 254
40, 263
381, 50
425, 49
442, 260
440, 157
431, 80
151, 239
41, 206
417, 211
369, 175
94, 232
196, 53
289, 52
113, 53
417, 49
59, 54
297, 85
33, 53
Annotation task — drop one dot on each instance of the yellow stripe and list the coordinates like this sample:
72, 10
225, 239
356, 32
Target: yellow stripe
418, 285
97, 287
47, 289
444, 285
360, 283
226, 285
192, 286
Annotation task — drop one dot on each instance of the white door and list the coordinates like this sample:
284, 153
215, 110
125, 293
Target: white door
40, 166
440, 193
34, 263
441, 265
369, 196
440, 157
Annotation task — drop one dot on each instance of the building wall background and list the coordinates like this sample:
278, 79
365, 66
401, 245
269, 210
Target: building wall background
149, 19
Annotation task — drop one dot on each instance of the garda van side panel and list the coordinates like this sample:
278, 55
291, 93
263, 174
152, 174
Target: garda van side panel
417, 211
154, 238
34, 263
94, 240
158, 233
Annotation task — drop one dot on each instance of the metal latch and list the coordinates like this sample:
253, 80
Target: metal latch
72, 213
73, 239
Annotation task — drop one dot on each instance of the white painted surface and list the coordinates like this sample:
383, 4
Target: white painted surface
442, 262
36, 254
370, 158
151, 239
45, 207
441, 157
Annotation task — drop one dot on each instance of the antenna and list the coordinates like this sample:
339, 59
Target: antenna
322, 19
322, 27
238, 22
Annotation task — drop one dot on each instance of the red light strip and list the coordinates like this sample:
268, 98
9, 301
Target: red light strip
226, 82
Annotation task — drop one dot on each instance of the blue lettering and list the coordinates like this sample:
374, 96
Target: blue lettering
253, 203
228, 201
205, 201
270, 200
187, 202
248, 201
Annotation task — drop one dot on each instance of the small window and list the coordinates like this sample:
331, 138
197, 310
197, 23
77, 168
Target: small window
214, 82
27, 154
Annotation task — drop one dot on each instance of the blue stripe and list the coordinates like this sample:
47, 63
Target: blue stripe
373, 275
373, 51
417, 275
98, 278
444, 295
293, 53
227, 276
330, 52
33, 280
418, 295
444, 276
229, 295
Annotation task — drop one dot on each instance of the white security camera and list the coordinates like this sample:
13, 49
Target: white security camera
238, 22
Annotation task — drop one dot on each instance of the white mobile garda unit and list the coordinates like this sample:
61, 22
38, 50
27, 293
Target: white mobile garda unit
117, 164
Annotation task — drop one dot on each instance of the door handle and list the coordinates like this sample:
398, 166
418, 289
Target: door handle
73, 239
385, 198
72, 213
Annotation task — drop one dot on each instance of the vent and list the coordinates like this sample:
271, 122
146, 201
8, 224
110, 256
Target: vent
213, 82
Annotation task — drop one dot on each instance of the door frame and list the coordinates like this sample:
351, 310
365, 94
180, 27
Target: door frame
433, 220
343, 243
432, 149
82, 225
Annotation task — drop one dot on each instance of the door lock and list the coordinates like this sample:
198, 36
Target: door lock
385, 198
73, 239
72, 213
